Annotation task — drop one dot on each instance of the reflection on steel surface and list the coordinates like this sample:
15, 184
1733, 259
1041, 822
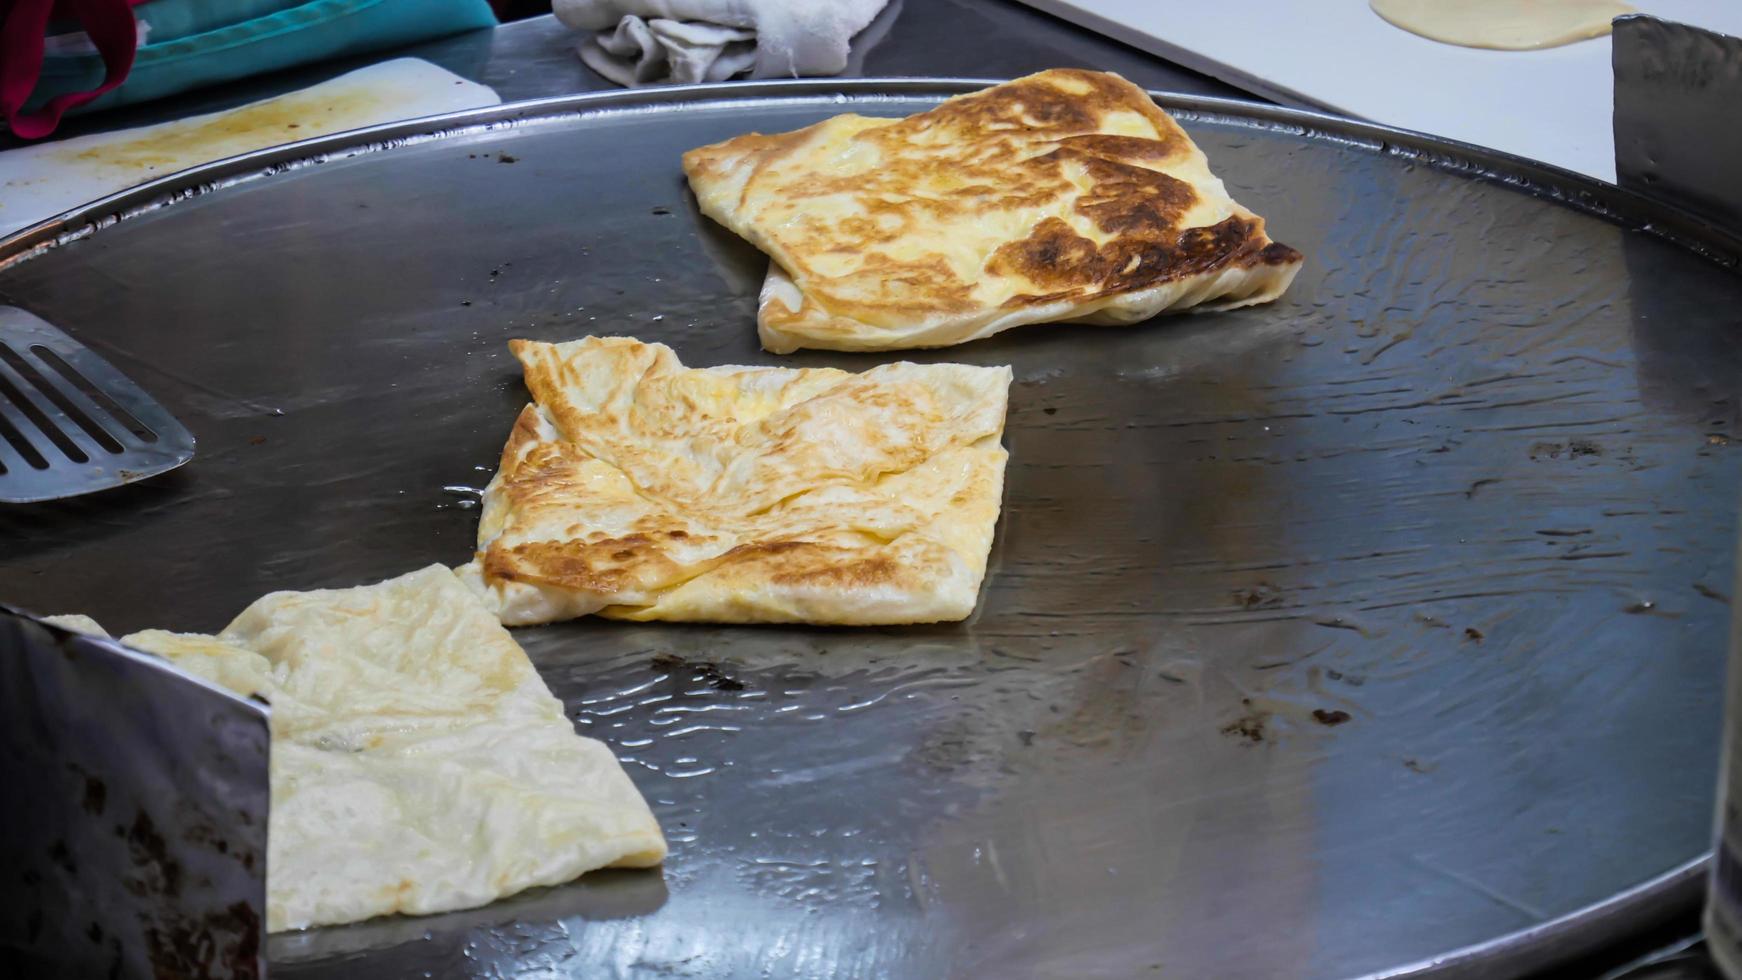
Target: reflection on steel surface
1675, 107
133, 840
1469, 484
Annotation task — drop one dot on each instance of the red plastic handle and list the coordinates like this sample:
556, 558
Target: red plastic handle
112, 30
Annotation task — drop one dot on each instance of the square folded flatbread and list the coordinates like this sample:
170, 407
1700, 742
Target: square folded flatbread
636, 488
419, 763
1063, 196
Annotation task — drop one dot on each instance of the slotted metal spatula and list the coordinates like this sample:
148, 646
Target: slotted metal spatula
69, 422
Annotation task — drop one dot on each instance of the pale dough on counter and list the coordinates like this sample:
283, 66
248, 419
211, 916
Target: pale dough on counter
1510, 25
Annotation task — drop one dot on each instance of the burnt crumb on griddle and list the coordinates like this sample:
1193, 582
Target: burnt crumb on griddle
720, 681
96, 795
707, 670
1025, 737
62, 858
1249, 727
1472, 633
507, 158
662, 211
1711, 593
1717, 439
1470, 493
1050, 410
1573, 449
1258, 596
1330, 717
95, 932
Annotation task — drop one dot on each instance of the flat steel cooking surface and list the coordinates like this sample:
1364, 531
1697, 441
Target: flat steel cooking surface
1322, 638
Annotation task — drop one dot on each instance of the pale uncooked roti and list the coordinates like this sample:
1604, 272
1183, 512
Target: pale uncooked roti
419, 763
637, 488
1508, 25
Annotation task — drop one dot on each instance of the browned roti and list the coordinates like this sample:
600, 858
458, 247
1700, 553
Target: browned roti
1066, 195
638, 488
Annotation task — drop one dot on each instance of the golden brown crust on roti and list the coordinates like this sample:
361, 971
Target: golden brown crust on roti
1066, 195
638, 488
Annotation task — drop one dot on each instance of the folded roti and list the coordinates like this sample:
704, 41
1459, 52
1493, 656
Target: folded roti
637, 488
419, 763
1063, 196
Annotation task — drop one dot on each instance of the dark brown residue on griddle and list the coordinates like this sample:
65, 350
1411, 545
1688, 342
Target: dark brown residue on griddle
1573, 449
1470, 493
1250, 727
707, 670
1339, 623
96, 793
1711, 593
1258, 596
1330, 716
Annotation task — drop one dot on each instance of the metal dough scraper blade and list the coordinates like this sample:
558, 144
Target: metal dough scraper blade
133, 836
69, 422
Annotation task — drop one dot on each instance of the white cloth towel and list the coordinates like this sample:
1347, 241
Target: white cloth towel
641, 41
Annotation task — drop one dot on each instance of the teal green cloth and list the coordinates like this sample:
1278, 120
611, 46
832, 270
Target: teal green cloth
170, 19
204, 42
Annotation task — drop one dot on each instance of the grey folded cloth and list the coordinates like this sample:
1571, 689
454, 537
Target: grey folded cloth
642, 41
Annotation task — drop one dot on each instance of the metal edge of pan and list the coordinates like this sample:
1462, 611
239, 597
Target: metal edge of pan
1654, 901
1475, 162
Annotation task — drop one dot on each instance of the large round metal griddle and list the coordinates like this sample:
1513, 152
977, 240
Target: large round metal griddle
1377, 630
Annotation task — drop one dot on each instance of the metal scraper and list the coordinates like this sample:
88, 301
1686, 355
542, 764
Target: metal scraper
133, 836
69, 422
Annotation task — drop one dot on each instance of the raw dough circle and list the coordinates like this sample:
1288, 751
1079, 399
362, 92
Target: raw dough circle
1509, 25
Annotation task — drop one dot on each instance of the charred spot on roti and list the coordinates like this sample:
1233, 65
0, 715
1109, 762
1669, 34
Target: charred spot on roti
635, 487
1066, 195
